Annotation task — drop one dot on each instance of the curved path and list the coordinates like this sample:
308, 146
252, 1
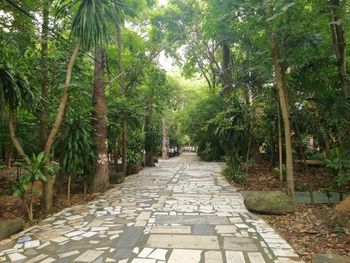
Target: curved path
182, 211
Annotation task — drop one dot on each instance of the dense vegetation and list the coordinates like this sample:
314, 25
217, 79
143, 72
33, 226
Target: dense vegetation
81, 87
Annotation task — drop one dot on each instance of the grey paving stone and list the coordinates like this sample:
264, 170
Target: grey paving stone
191, 220
240, 244
129, 238
206, 230
184, 210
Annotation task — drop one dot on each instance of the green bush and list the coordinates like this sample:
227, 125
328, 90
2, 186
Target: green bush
339, 165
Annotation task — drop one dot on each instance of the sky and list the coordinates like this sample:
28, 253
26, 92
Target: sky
167, 63
162, 2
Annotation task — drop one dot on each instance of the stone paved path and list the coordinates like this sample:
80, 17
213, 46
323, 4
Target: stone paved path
182, 211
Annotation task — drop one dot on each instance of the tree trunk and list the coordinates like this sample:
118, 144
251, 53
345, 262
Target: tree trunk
122, 85
280, 143
148, 139
101, 179
68, 187
47, 195
15, 142
164, 148
44, 115
282, 95
226, 67
339, 44
115, 155
63, 103
124, 148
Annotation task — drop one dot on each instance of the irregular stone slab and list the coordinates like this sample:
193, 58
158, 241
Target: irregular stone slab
130, 237
192, 220
171, 230
240, 244
185, 256
273, 203
159, 254
89, 256
213, 257
205, 230
183, 241
256, 257
234, 257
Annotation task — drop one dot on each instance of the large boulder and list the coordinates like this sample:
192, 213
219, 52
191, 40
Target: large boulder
344, 206
271, 203
10, 227
330, 258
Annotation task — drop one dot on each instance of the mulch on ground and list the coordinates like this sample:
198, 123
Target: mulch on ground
12, 206
312, 229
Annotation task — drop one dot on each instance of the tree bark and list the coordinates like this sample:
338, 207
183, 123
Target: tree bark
226, 67
15, 142
101, 179
63, 103
47, 195
124, 148
339, 45
44, 115
115, 155
282, 95
148, 140
122, 85
280, 143
164, 147
69, 187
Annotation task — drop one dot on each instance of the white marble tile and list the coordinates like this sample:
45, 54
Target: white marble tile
16, 257
185, 256
145, 252
31, 244
89, 256
159, 254
234, 257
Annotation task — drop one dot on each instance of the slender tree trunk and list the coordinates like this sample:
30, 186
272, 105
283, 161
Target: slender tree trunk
69, 187
63, 103
122, 85
124, 148
148, 138
16, 144
339, 44
101, 178
115, 155
44, 115
280, 143
164, 148
47, 195
282, 95
226, 66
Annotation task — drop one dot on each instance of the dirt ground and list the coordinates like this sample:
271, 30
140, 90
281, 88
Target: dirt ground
12, 207
312, 229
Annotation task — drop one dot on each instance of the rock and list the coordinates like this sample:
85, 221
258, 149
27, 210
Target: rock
117, 178
272, 203
344, 206
330, 258
10, 227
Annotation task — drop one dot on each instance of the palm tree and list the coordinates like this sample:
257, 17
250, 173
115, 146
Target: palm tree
118, 21
89, 29
90, 25
14, 90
